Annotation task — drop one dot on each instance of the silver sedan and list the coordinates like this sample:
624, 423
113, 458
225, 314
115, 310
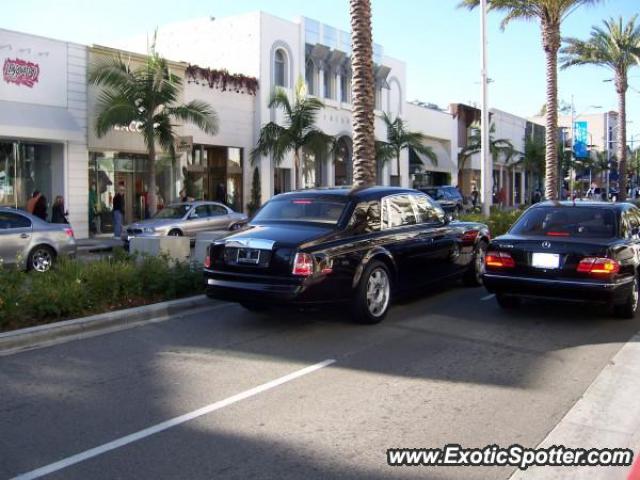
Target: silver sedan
28, 242
186, 219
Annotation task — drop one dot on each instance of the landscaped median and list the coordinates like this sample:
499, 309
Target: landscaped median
498, 222
75, 288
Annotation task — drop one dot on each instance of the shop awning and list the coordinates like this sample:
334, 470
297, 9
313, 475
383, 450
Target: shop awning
38, 122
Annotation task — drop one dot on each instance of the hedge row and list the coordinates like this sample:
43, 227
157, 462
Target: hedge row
499, 221
75, 288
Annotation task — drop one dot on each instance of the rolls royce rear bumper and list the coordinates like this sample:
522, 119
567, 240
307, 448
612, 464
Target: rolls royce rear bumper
269, 290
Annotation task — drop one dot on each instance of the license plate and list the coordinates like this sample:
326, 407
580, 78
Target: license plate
545, 260
248, 255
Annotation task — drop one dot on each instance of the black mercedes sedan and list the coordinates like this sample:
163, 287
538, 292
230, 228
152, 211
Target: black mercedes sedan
337, 245
570, 251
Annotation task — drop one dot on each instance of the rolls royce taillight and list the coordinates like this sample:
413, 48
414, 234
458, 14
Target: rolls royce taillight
598, 266
303, 265
207, 262
499, 260
470, 236
69, 232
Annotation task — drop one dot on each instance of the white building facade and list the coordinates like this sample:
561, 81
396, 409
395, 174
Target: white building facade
48, 113
43, 123
280, 53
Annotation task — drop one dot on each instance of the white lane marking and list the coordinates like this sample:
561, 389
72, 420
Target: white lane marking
488, 297
134, 437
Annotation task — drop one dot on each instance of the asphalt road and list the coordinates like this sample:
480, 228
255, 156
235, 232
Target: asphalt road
449, 367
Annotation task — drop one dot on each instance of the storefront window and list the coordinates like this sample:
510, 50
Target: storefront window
110, 170
26, 167
214, 173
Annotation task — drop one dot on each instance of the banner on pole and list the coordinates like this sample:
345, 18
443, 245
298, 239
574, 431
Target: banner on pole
580, 144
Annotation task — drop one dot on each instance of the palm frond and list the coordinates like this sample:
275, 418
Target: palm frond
280, 99
198, 113
114, 110
272, 141
113, 73
384, 152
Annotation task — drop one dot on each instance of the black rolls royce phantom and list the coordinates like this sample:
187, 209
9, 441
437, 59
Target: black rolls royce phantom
359, 247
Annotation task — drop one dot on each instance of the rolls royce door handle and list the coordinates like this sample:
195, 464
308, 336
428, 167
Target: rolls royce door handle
24, 235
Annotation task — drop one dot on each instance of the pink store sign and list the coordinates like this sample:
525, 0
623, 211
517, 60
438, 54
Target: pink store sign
20, 72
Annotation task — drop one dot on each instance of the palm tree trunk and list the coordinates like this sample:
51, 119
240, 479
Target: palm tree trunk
621, 137
551, 43
362, 86
398, 165
152, 200
297, 171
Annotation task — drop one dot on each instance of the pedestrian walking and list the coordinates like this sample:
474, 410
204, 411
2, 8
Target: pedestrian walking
474, 197
40, 206
31, 204
118, 212
58, 213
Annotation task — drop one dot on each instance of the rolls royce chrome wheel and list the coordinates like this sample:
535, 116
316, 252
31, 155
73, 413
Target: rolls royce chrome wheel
378, 292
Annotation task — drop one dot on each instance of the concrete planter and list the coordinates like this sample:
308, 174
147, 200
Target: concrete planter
176, 248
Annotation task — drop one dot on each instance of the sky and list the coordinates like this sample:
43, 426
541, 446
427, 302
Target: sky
439, 43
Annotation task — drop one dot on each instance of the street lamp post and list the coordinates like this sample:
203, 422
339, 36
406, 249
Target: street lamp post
486, 166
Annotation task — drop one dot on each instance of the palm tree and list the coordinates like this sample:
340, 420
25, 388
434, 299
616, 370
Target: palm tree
550, 14
298, 132
363, 97
148, 98
497, 146
617, 47
400, 138
533, 161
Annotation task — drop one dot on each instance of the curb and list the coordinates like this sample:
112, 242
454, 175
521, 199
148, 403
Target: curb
606, 416
34, 336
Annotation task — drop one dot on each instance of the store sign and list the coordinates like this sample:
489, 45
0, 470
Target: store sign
184, 144
36, 70
580, 144
20, 72
133, 127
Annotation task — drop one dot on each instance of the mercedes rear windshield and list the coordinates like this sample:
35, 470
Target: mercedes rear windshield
581, 222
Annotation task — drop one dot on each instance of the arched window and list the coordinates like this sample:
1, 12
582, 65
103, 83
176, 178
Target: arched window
280, 68
310, 77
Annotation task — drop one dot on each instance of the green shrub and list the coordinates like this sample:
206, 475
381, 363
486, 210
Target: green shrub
498, 222
75, 288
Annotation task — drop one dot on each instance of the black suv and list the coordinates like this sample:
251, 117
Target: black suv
448, 197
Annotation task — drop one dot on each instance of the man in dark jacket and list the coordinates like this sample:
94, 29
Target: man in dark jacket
118, 212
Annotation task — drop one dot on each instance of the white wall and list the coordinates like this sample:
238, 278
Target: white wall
441, 129
77, 153
236, 116
229, 43
59, 95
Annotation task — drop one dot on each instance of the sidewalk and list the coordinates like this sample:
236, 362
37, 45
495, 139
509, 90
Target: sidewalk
606, 416
101, 243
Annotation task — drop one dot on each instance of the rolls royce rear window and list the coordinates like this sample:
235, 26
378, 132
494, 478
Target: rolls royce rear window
315, 210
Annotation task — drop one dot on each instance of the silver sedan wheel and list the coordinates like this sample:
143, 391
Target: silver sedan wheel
41, 260
378, 292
